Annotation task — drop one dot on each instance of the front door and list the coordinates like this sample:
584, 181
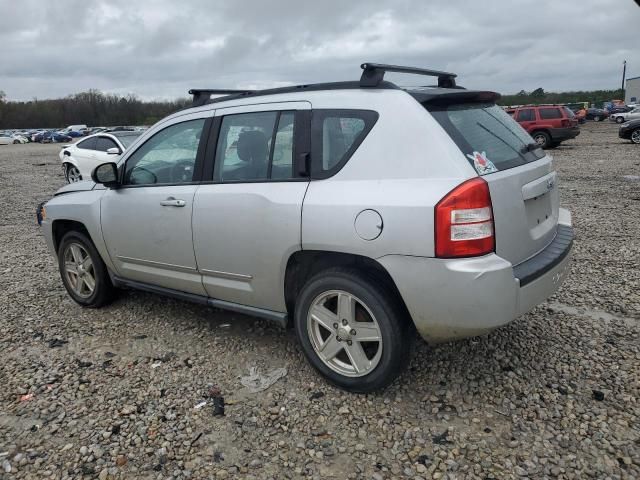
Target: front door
146, 223
247, 220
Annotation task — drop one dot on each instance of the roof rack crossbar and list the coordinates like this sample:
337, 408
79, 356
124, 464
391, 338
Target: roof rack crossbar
201, 95
373, 74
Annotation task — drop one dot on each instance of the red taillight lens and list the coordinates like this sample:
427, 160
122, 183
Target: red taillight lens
464, 221
565, 122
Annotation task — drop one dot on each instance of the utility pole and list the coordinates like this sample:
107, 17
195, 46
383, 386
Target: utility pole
624, 71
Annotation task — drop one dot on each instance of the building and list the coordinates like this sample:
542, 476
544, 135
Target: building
632, 90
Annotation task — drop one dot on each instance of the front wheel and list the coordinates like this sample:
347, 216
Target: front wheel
635, 136
353, 332
619, 119
83, 272
72, 174
596, 118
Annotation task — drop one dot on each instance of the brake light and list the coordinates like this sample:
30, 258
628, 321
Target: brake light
565, 122
464, 221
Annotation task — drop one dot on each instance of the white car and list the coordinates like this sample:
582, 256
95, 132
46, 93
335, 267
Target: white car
5, 138
80, 158
626, 116
18, 138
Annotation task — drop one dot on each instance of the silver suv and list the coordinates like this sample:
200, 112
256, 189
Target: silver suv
358, 212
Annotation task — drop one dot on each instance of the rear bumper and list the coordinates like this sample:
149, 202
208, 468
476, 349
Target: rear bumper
458, 298
561, 134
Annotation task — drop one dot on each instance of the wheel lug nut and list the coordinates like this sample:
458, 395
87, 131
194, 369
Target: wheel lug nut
352, 332
338, 339
349, 342
335, 325
344, 321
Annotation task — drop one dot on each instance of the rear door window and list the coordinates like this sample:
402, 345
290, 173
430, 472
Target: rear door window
550, 113
487, 135
103, 144
88, 144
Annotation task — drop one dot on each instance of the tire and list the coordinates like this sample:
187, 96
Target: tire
381, 314
542, 139
77, 254
71, 173
619, 119
596, 118
635, 136
15, 142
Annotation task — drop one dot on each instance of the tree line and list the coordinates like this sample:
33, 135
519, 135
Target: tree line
538, 96
92, 108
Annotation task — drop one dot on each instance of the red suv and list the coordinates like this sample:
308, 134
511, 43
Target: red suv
547, 124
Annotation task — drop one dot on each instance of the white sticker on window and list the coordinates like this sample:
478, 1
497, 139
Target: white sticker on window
481, 163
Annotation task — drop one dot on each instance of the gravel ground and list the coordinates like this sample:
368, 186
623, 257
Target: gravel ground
110, 393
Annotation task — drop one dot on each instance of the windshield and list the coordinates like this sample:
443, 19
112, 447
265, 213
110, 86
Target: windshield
127, 140
489, 137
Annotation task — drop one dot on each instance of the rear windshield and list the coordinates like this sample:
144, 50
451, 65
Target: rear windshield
489, 137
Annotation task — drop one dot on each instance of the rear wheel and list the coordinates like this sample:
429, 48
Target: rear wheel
15, 142
353, 332
596, 118
619, 119
635, 136
72, 174
83, 272
542, 139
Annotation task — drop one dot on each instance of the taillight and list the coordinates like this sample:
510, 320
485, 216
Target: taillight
464, 221
565, 122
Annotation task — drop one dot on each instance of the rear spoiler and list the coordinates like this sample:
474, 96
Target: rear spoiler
455, 96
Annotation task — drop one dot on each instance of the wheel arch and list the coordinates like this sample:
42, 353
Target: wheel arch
304, 264
60, 228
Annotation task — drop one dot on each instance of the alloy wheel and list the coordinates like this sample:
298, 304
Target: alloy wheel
635, 136
79, 271
344, 333
73, 174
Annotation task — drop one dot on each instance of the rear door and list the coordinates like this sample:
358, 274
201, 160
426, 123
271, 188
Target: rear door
247, 215
521, 178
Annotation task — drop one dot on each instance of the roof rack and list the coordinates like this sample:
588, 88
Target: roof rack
201, 95
373, 74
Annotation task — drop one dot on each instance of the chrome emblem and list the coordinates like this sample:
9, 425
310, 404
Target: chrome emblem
550, 183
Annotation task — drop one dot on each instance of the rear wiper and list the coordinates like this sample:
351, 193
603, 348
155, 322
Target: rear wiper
529, 147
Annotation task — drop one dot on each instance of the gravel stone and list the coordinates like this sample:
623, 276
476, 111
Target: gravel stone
520, 401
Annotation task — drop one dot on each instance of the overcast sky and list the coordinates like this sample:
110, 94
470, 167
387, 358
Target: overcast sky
160, 49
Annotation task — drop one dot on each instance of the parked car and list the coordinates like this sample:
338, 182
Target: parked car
53, 137
626, 116
18, 138
5, 138
631, 131
596, 114
79, 159
284, 204
549, 125
618, 109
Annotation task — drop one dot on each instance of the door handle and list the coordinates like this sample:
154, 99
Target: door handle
173, 202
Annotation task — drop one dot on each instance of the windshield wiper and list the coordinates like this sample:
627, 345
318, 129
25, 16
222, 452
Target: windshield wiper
529, 147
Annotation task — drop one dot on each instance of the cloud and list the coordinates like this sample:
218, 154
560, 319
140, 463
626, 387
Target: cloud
161, 48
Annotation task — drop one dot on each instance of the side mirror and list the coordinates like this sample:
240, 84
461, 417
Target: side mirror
106, 174
114, 151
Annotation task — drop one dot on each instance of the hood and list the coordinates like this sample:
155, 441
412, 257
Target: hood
76, 187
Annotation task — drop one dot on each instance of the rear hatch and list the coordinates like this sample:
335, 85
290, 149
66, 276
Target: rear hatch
521, 178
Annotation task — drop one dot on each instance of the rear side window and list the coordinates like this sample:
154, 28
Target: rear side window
568, 112
88, 144
526, 115
487, 135
550, 113
335, 136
